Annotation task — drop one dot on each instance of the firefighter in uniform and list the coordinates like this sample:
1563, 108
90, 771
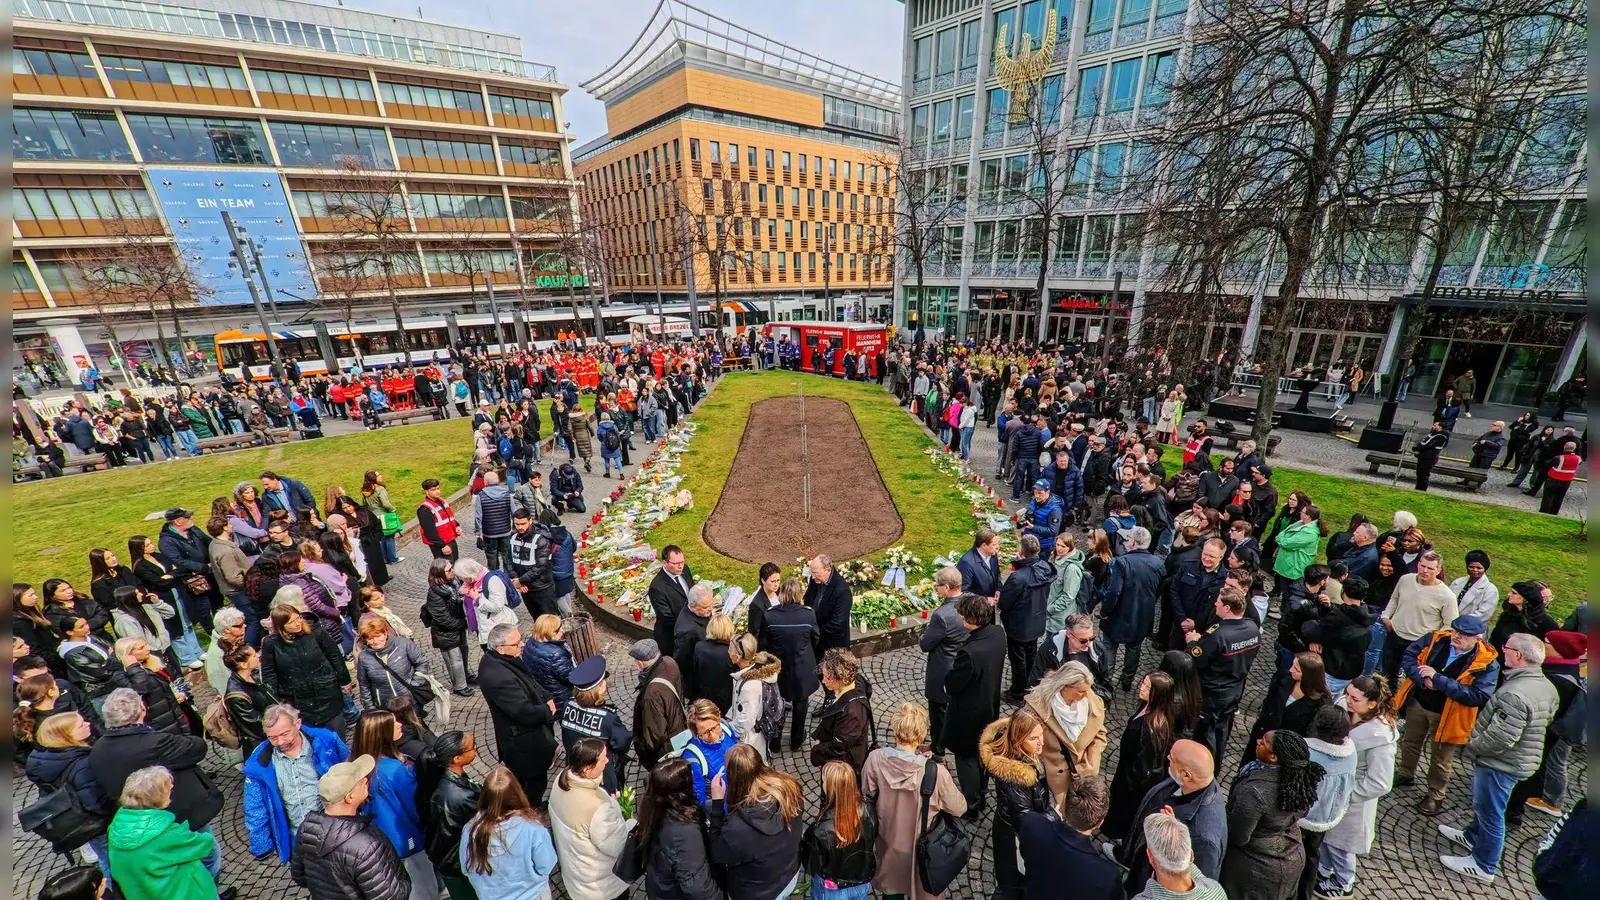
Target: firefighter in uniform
588, 715
1559, 479
437, 522
1222, 658
1428, 450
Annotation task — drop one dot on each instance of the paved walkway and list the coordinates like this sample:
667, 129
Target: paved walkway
1403, 865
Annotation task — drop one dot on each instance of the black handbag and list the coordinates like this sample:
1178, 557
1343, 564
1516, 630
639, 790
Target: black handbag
630, 864
944, 846
60, 818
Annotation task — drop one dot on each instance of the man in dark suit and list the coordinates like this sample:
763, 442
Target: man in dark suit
980, 566
829, 597
941, 640
524, 716
669, 594
1061, 851
974, 688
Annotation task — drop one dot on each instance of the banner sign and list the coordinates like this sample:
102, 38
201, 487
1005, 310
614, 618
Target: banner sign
193, 201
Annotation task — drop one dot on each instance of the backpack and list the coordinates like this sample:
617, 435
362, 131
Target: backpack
1185, 489
611, 440
513, 596
60, 818
219, 727
774, 711
1084, 599
505, 448
1573, 725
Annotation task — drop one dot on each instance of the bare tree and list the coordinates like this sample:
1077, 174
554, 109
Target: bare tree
142, 270
920, 210
571, 239
716, 226
376, 237
1278, 115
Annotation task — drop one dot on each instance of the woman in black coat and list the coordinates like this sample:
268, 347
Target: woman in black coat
61, 602
713, 664
672, 837
839, 849
1523, 610
160, 576
369, 531
1142, 760
768, 594
29, 622
302, 665
792, 633
142, 672
1010, 751
973, 685
447, 799
447, 623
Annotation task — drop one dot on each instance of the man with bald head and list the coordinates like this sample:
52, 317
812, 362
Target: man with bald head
1190, 793
828, 595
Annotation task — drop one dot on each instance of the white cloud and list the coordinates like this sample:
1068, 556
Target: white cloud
582, 37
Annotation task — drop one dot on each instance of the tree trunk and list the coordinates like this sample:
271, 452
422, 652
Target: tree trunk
177, 332
1272, 367
399, 323
1044, 269
161, 339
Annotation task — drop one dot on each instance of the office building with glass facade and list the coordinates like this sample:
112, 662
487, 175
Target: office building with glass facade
1111, 59
764, 158
120, 106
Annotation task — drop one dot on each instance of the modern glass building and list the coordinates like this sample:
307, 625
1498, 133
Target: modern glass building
135, 124
1109, 61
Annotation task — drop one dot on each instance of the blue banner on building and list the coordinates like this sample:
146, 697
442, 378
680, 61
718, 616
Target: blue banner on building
193, 201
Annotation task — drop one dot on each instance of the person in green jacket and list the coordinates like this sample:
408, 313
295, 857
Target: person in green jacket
153, 855
1063, 600
1297, 545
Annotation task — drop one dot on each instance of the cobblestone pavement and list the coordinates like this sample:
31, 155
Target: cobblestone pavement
1403, 865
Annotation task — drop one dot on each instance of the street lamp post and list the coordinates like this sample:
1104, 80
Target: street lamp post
250, 282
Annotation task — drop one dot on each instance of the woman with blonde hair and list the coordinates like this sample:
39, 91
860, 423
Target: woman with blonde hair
892, 782
713, 662
1011, 752
1074, 720
710, 739
754, 811
839, 846
60, 761
549, 659
387, 663
756, 671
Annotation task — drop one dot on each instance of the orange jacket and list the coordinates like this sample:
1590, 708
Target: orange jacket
1455, 723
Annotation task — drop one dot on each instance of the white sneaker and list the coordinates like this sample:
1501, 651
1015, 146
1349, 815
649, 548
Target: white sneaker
1469, 415
1466, 865
1455, 836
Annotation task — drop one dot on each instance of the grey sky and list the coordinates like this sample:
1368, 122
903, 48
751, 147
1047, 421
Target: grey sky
582, 37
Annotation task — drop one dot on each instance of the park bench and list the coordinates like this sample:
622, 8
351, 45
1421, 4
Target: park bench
406, 416
1472, 478
27, 471
248, 439
86, 463
1232, 441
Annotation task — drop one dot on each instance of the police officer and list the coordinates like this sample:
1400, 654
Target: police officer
588, 715
1428, 450
1222, 658
530, 563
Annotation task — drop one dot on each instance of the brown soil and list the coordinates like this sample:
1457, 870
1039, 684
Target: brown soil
760, 516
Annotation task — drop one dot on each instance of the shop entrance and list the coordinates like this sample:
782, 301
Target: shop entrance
1480, 359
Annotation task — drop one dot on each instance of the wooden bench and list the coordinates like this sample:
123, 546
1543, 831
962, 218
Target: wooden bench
86, 463
27, 471
1232, 441
248, 439
1472, 478
405, 416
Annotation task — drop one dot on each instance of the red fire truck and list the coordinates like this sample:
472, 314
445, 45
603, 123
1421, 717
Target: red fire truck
815, 338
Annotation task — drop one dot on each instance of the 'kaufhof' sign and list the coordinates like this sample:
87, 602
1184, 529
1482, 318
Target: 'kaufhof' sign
193, 201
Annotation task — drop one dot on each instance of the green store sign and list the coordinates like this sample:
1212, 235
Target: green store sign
559, 281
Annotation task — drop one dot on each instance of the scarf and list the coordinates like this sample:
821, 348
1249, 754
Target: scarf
1072, 717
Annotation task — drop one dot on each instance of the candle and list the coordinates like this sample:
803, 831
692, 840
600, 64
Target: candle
638, 615
924, 614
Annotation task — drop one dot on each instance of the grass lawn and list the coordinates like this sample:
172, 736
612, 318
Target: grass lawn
56, 522
937, 517
1521, 545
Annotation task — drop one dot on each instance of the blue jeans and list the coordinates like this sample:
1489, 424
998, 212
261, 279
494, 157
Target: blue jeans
1374, 656
819, 892
252, 622
213, 861
191, 444
1027, 472
391, 553
966, 442
1336, 686
168, 449
610, 459
1405, 387
1491, 791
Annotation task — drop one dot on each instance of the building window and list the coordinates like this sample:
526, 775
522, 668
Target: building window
919, 127
971, 35
802, 164
1050, 99
1101, 14
750, 155
694, 149
299, 84
794, 197
786, 160
200, 140
434, 148
55, 204
769, 159
999, 101
1033, 22
67, 134
1135, 12
963, 123
1091, 87
1124, 84
59, 63
530, 154
811, 198
958, 181
1166, 8
677, 151
458, 206
716, 152
733, 154
1113, 157
945, 62
761, 193
441, 98
300, 144
922, 59
154, 71
1158, 78
1007, 19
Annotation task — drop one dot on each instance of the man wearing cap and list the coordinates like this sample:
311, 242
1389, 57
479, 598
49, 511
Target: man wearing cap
1449, 676
340, 853
189, 549
1546, 789
1507, 743
588, 715
1043, 516
280, 778
658, 710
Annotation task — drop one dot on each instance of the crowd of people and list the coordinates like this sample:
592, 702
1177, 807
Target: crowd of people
357, 783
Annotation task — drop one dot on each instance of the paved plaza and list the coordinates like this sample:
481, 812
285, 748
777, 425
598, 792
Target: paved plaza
1403, 866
